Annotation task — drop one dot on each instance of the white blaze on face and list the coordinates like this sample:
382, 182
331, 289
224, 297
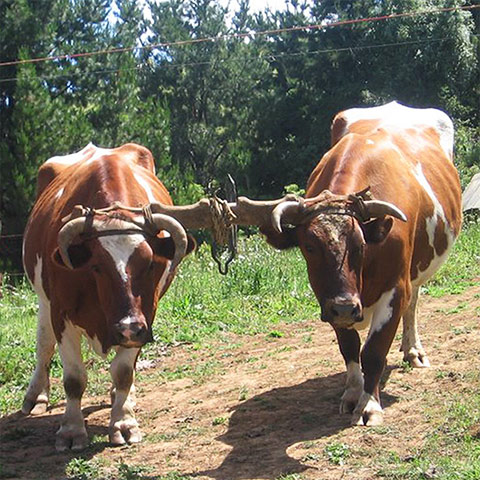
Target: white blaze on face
121, 248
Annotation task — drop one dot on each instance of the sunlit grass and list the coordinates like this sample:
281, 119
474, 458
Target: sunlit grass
263, 288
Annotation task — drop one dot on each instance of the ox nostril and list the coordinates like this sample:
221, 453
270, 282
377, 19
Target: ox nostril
132, 331
346, 309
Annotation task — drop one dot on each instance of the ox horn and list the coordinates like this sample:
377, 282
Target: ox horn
76, 226
66, 235
287, 212
378, 208
179, 236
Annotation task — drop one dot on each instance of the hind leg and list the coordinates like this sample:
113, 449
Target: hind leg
412, 349
36, 398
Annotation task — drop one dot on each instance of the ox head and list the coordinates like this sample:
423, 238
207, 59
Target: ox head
333, 232
130, 259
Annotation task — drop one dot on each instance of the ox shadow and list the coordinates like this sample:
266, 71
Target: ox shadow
262, 429
27, 444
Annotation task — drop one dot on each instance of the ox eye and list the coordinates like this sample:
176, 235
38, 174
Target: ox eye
96, 268
309, 248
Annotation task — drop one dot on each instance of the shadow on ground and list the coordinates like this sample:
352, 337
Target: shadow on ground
27, 446
262, 428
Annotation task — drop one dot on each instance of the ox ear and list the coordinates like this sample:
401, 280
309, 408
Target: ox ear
164, 247
79, 256
376, 230
281, 241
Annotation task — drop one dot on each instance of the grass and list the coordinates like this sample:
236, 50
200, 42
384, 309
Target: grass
258, 294
263, 289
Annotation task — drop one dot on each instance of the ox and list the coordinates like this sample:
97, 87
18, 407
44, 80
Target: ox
99, 270
381, 214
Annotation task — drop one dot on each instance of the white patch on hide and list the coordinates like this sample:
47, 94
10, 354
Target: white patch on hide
144, 184
401, 116
430, 227
380, 312
72, 157
99, 153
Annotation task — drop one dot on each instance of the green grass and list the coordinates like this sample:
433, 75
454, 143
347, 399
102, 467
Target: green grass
258, 293
263, 288
462, 267
451, 451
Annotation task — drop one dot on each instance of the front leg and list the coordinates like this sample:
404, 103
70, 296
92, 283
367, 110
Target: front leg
349, 343
72, 433
382, 331
123, 425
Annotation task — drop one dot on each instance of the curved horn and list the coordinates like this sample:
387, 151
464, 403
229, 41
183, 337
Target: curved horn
178, 233
288, 212
66, 235
377, 208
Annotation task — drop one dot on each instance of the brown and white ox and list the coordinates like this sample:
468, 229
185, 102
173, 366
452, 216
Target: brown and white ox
365, 264
98, 270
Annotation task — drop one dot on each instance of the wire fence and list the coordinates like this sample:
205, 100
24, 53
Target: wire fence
239, 35
11, 249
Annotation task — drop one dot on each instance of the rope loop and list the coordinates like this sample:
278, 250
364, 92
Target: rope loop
222, 220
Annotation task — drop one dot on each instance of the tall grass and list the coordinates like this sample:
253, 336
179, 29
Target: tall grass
263, 287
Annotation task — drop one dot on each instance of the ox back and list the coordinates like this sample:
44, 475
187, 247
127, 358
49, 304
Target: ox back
368, 273
103, 284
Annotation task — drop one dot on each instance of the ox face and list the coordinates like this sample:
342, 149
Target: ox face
335, 248
129, 273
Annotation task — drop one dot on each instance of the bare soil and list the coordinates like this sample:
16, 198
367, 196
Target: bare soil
262, 407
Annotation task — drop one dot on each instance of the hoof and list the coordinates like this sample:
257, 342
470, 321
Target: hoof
417, 359
124, 432
75, 443
35, 407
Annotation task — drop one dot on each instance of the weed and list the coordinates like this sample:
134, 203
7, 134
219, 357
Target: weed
132, 472
219, 421
290, 476
311, 457
243, 393
337, 453
406, 367
82, 469
275, 334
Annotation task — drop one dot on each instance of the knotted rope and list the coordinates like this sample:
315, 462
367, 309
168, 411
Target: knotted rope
222, 220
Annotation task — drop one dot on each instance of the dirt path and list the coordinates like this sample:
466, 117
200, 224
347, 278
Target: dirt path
261, 407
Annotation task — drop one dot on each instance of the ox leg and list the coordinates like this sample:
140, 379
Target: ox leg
36, 398
72, 433
349, 343
412, 349
123, 425
382, 331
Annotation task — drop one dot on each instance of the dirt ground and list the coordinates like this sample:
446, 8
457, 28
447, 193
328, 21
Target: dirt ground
264, 406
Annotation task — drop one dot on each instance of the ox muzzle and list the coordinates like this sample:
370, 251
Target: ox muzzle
342, 311
131, 332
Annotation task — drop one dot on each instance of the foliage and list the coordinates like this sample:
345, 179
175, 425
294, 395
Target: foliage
256, 106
